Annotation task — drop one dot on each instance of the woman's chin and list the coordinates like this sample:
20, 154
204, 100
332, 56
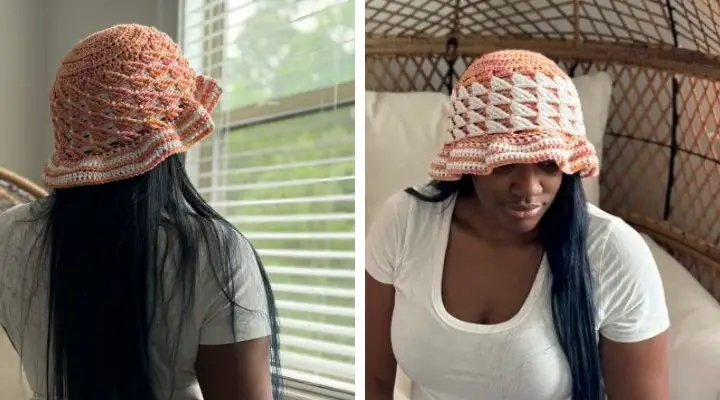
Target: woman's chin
521, 226
524, 227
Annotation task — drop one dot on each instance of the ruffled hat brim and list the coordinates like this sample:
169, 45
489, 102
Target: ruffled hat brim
480, 155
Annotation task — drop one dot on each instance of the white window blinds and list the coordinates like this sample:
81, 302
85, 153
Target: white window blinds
280, 165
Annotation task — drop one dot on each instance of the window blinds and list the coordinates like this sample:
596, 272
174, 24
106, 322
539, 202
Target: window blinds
280, 165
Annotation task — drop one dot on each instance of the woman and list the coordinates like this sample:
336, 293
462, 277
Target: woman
124, 283
497, 280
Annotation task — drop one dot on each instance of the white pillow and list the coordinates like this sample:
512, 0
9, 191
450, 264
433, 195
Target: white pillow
694, 333
404, 131
595, 91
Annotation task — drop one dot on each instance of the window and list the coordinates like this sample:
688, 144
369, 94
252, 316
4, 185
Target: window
280, 165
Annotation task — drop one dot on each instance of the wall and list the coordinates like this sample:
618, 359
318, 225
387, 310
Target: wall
38, 33
23, 80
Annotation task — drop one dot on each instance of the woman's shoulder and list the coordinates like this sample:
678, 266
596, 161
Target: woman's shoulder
421, 199
15, 213
631, 301
411, 206
19, 217
607, 229
601, 223
228, 237
19, 229
615, 247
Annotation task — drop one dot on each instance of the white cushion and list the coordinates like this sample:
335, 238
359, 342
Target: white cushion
694, 331
404, 131
595, 91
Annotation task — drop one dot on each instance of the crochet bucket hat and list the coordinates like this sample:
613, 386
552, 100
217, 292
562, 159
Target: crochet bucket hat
124, 100
514, 107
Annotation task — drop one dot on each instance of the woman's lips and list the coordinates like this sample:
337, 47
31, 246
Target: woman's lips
523, 211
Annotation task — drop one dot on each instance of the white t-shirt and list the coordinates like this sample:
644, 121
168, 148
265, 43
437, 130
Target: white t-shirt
208, 323
449, 359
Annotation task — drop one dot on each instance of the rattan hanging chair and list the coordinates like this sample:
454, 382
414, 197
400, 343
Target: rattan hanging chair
661, 157
15, 189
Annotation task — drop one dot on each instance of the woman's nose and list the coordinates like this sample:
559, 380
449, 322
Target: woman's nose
525, 181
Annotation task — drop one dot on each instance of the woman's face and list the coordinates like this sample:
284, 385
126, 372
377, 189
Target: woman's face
516, 196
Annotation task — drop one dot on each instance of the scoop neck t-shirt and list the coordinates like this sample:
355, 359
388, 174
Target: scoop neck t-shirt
449, 359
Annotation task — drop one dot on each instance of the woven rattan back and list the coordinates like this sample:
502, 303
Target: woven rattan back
661, 159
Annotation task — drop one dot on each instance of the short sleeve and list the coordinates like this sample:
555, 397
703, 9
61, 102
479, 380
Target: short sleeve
251, 320
385, 239
631, 289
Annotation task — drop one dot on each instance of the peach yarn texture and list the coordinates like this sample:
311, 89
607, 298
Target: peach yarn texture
124, 100
514, 107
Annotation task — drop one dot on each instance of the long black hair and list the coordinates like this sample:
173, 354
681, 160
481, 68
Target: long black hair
106, 286
563, 234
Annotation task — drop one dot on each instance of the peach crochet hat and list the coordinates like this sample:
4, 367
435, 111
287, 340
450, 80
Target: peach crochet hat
514, 107
124, 100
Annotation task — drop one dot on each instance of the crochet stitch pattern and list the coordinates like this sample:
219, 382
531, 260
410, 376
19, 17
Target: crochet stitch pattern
514, 107
123, 101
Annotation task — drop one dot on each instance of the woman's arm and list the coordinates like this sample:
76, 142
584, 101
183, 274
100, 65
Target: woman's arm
636, 371
380, 363
233, 356
238, 371
384, 245
633, 329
